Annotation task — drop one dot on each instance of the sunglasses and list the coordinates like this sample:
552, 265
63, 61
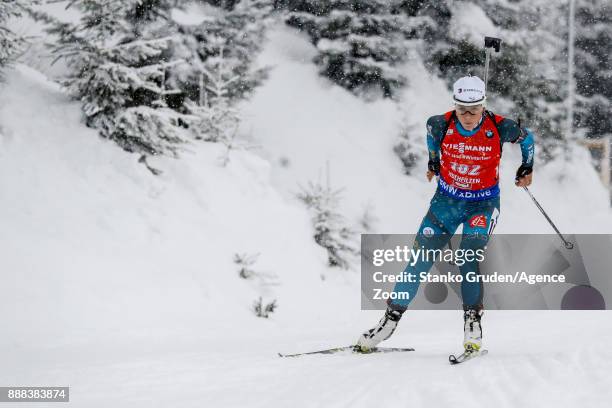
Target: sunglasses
462, 109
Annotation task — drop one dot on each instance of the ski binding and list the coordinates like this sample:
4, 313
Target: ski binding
466, 356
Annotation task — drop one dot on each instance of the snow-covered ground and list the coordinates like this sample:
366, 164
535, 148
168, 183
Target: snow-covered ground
121, 285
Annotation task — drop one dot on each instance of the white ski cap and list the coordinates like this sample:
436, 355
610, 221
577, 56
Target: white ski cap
469, 90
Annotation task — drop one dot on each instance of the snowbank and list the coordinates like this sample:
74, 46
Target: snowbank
94, 245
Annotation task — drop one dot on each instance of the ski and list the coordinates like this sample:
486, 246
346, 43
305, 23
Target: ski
351, 349
466, 356
325, 351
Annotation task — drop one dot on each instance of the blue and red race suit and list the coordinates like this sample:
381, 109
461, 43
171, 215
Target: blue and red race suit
467, 193
469, 160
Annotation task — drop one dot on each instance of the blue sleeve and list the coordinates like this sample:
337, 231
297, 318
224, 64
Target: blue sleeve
433, 146
510, 131
527, 148
435, 128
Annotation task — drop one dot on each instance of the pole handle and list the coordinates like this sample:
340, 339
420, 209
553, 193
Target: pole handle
493, 42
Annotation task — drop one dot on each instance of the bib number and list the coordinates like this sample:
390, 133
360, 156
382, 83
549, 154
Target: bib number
465, 169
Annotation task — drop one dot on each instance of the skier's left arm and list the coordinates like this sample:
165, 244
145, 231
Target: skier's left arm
510, 131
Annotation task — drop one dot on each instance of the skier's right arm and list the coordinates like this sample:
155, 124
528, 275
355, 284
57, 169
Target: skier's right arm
435, 127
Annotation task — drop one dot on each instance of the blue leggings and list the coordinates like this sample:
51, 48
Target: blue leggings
438, 226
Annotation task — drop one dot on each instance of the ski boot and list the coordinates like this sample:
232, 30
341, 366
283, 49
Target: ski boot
382, 331
472, 329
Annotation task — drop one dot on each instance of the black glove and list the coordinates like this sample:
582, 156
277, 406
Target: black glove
434, 166
523, 171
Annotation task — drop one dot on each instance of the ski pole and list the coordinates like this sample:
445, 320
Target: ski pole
567, 244
490, 42
486, 73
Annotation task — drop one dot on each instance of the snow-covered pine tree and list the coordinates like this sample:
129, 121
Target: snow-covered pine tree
407, 151
430, 17
10, 43
237, 32
220, 118
331, 231
119, 55
219, 70
264, 309
593, 65
361, 43
245, 263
